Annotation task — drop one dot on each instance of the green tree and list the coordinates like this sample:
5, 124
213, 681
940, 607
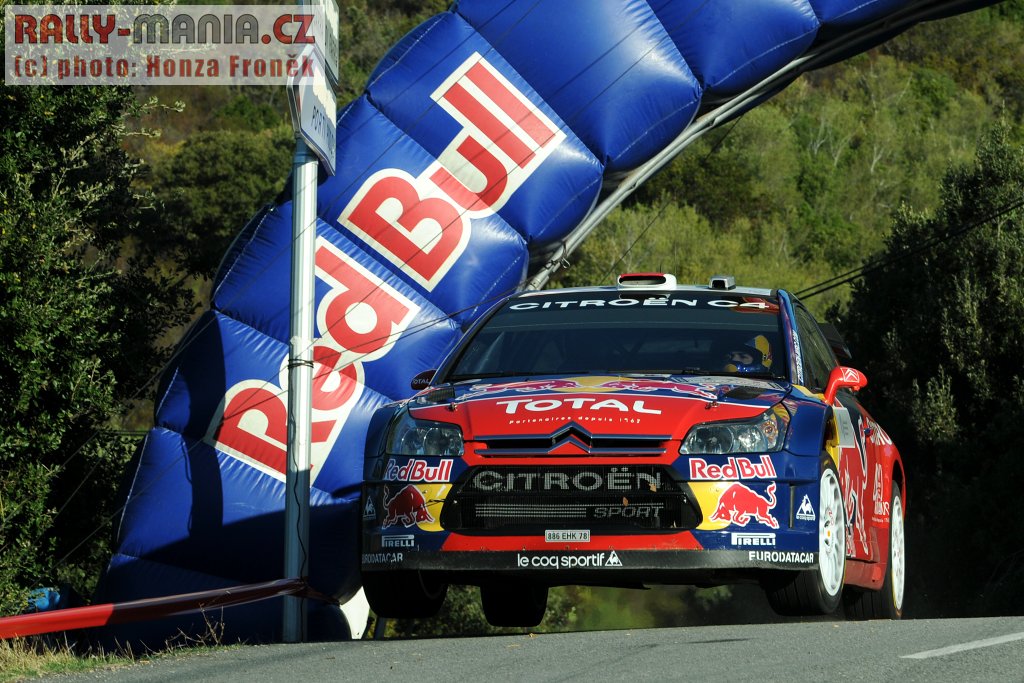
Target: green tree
939, 334
80, 320
210, 188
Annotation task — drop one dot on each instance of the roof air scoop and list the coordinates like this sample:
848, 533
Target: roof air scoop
647, 281
722, 282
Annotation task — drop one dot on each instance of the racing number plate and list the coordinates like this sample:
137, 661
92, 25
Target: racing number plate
567, 535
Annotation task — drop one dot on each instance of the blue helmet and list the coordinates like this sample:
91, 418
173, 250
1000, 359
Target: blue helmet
755, 356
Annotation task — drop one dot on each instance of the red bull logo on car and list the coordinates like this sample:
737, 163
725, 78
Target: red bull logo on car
738, 504
705, 391
525, 387
418, 470
408, 507
734, 468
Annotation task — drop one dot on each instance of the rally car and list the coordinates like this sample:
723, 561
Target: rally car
646, 433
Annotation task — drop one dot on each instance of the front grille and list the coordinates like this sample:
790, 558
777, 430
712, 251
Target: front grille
534, 499
578, 441
543, 445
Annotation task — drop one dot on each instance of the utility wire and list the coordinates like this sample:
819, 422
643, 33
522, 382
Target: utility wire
883, 261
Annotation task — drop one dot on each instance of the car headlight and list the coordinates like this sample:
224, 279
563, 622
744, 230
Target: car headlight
764, 434
409, 436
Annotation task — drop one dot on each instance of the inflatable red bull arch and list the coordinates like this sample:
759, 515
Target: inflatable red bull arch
485, 146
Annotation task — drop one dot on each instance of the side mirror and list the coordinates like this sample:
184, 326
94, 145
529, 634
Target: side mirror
422, 380
843, 377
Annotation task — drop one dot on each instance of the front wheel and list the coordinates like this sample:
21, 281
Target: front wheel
404, 594
817, 591
887, 602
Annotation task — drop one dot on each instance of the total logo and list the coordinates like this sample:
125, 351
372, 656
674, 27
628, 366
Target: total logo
577, 403
587, 561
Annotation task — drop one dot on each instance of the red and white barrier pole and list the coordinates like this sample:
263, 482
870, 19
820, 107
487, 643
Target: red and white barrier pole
147, 608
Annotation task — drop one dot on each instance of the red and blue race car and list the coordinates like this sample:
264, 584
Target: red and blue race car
647, 433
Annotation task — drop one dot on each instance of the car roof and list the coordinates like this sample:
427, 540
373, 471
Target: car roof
742, 291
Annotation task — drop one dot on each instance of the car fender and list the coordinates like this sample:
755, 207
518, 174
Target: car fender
808, 426
375, 435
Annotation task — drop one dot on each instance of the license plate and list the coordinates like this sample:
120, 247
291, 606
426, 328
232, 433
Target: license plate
567, 535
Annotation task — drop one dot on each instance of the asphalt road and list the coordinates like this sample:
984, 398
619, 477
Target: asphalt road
913, 650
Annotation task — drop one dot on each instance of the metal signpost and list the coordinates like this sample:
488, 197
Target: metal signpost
313, 106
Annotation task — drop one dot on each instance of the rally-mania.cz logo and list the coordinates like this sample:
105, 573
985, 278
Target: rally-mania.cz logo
165, 45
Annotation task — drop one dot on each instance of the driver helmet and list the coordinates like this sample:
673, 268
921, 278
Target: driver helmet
754, 356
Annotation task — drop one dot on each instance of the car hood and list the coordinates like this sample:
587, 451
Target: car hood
627, 405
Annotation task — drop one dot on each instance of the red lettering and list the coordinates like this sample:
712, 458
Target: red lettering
489, 124
50, 30
24, 29
279, 31
333, 387
425, 235
511, 103
729, 469
302, 32
359, 314
495, 178
255, 425
103, 26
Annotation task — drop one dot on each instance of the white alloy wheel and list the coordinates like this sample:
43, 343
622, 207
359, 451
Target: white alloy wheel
886, 601
817, 590
832, 535
897, 557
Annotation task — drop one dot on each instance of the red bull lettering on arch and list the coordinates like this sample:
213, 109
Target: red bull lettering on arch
358, 321
422, 224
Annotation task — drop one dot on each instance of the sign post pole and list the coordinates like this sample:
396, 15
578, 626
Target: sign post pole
313, 107
300, 383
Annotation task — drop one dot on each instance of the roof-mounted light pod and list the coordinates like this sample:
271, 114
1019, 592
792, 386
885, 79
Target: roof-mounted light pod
722, 282
647, 281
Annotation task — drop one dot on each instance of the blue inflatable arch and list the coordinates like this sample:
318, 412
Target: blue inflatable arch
487, 144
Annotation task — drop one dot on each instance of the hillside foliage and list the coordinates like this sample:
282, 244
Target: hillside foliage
110, 235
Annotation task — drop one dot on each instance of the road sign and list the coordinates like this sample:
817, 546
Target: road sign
314, 107
325, 29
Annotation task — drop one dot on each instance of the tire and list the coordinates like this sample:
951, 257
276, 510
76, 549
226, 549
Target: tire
404, 595
819, 590
514, 603
887, 602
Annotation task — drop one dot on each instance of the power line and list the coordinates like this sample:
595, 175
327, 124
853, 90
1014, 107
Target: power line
884, 261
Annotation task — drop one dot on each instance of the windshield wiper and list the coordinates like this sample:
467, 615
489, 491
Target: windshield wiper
486, 375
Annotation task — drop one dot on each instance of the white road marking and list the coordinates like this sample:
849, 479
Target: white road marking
973, 645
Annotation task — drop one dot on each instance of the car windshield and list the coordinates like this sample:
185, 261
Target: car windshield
569, 332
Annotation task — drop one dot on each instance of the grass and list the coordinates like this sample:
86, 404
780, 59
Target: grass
33, 657
23, 658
